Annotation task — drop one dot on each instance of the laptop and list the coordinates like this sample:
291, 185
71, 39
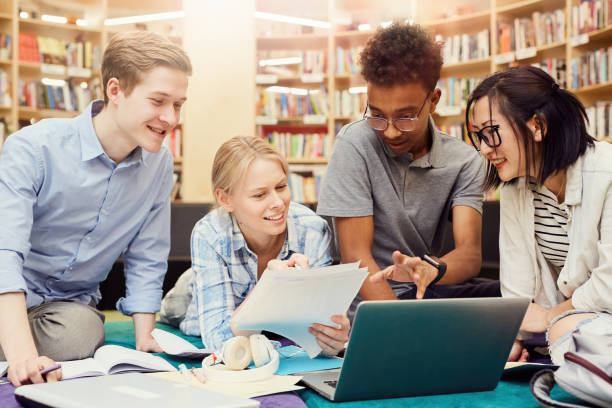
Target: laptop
134, 390
402, 348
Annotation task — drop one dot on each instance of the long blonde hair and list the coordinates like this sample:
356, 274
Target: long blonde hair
234, 157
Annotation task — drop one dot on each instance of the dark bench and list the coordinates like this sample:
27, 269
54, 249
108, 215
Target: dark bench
184, 216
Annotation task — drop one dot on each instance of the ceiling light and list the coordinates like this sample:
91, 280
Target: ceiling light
53, 19
144, 18
292, 20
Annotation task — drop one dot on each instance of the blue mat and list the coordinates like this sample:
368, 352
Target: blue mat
512, 390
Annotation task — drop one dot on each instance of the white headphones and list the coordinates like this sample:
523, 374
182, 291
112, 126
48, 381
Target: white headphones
236, 355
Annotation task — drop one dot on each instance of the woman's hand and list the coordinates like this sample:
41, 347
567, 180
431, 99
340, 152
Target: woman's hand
537, 319
332, 339
295, 261
518, 352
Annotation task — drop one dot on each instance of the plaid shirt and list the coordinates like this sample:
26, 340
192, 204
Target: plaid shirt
225, 269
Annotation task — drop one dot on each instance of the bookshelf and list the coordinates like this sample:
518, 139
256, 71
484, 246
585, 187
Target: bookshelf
500, 33
52, 69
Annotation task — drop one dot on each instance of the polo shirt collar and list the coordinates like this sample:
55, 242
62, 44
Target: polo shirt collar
433, 158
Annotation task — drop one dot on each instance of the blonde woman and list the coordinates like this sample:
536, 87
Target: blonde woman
255, 226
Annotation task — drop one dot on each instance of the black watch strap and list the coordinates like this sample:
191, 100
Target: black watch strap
440, 266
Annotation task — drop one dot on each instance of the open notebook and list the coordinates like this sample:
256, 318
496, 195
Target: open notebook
112, 359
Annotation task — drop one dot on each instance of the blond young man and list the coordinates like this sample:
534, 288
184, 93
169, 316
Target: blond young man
75, 194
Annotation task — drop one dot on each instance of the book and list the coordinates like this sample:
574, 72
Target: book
112, 359
288, 302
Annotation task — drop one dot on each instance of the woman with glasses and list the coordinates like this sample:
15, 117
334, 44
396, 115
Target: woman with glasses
556, 204
255, 227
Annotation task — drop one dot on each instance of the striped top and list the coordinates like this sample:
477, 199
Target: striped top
550, 225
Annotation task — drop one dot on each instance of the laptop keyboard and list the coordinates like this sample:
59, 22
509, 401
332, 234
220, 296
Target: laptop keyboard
332, 383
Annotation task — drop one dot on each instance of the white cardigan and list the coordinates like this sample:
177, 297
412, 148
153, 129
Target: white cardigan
587, 274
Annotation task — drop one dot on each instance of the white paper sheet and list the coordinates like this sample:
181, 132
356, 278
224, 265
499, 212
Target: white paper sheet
177, 346
288, 302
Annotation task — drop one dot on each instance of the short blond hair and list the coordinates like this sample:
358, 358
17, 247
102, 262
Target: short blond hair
234, 157
129, 55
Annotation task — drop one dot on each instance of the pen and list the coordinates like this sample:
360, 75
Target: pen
49, 369
184, 371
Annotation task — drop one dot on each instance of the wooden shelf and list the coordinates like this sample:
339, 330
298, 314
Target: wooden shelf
6, 62
526, 7
27, 113
178, 160
320, 160
466, 23
6, 16
606, 86
603, 35
606, 139
30, 24
302, 41
467, 66
4, 108
296, 80
35, 68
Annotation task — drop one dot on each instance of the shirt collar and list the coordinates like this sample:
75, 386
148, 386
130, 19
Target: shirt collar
90, 144
573, 185
431, 159
290, 246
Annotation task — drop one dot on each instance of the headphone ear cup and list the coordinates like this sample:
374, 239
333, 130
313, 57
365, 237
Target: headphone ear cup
261, 349
236, 353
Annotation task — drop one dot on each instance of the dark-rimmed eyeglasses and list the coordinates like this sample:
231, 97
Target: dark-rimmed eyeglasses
488, 134
403, 124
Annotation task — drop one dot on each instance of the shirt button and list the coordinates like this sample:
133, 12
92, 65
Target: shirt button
104, 212
565, 282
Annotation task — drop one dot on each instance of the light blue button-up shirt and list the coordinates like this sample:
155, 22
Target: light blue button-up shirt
225, 269
68, 211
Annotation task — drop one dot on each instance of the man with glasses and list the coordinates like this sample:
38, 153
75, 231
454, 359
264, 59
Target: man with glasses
393, 181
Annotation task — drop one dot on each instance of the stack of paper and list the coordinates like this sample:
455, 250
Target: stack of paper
288, 302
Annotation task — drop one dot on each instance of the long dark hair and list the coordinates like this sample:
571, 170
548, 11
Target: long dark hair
522, 92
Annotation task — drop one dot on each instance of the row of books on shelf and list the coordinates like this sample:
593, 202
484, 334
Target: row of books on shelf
600, 119
6, 45
300, 145
351, 105
48, 50
457, 131
541, 29
455, 92
347, 60
590, 15
305, 187
592, 68
5, 89
291, 105
556, 68
465, 47
173, 142
71, 95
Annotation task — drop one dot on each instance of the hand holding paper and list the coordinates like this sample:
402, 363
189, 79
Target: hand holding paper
288, 302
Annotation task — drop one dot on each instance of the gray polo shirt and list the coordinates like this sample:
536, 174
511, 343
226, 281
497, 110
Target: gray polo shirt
411, 200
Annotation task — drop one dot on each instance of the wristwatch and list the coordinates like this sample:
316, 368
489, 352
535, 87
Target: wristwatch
439, 265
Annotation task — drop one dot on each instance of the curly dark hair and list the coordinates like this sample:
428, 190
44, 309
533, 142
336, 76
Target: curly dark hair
399, 54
